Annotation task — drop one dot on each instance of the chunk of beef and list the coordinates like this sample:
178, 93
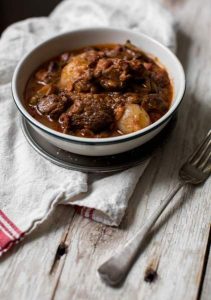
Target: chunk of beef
137, 68
112, 73
154, 103
85, 83
112, 99
160, 77
53, 105
88, 112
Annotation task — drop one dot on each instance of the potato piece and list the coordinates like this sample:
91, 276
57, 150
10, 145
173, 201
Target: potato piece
73, 71
133, 119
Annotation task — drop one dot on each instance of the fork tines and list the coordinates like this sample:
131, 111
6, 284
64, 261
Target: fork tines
201, 157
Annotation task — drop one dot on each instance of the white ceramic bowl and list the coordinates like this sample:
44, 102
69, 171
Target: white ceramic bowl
86, 37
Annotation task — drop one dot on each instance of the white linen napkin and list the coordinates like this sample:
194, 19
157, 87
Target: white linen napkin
31, 187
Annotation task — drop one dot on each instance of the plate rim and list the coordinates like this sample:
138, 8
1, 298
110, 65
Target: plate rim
71, 166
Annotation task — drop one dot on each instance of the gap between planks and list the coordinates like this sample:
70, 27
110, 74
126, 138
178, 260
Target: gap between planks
62, 250
204, 269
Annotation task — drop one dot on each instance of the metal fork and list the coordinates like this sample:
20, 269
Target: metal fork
195, 171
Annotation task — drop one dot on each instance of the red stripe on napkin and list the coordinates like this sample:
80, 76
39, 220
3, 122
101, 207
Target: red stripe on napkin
10, 222
9, 233
5, 239
91, 213
85, 211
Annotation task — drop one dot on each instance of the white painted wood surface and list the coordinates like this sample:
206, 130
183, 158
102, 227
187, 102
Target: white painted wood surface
179, 240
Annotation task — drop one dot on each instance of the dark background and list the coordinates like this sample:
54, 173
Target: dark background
15, 10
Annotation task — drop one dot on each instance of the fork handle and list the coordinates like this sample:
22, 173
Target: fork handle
116, 268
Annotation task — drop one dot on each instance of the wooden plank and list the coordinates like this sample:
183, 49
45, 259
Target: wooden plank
178, 242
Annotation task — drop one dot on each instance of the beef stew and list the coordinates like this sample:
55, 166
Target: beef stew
99, 91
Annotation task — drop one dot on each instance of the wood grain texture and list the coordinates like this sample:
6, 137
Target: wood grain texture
177, 245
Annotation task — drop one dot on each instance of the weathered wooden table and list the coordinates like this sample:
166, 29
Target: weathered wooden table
180, 242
